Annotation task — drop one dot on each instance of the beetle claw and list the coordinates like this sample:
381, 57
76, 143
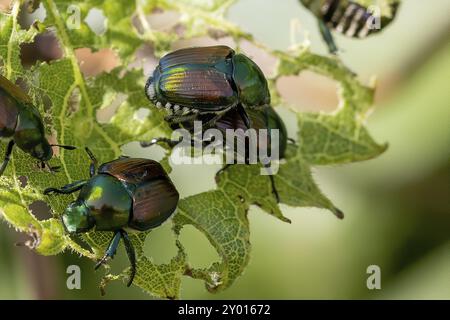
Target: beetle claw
55, 169
292, 141
101, 261
49, 191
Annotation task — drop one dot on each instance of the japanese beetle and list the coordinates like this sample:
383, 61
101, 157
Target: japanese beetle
348, 18
263, 118
126, 192
203, 80
22, 125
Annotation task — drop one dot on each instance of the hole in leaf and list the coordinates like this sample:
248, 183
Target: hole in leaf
193, 178
160, 244
262, 58
40, 210
163, 20
45, 47
53, 139
141, 114
94, 63
180, 30
5, 6
309, 91
30, 13
145, 59
198, 248
158, 20
134, 149
23, 181
289, 118
96, 21
217, 34
110, 104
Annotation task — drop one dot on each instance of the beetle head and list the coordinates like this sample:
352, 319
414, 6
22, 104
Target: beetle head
77, 218
42, 151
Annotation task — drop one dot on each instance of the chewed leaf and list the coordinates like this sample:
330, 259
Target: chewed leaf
223, 219
109, 110
332, 139
11, 38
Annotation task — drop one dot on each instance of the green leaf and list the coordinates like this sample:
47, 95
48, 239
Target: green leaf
70, 103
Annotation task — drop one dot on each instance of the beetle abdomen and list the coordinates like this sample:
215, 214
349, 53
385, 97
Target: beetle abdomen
348, 18
203, 87
8, 114
206, 80
199, 55
153, 203
154, 196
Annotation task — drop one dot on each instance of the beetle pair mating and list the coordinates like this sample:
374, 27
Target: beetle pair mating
221, 88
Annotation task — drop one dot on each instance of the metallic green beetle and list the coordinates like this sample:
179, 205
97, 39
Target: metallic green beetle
349, 18
21, 124
203, 80
124, 193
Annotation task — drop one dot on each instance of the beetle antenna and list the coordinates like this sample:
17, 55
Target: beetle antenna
64, 146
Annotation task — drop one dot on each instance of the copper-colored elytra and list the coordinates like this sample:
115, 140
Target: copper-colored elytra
133, 170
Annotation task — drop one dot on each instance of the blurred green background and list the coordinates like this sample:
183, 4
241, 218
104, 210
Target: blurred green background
397, 206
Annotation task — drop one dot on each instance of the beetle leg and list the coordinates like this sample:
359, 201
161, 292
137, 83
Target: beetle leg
111, 251
9, 150
93, 165
169, 142
225, 167
180, 118
131, 255
274, 188
213, 120
52, 169
244, 116
67, 189
328, 37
